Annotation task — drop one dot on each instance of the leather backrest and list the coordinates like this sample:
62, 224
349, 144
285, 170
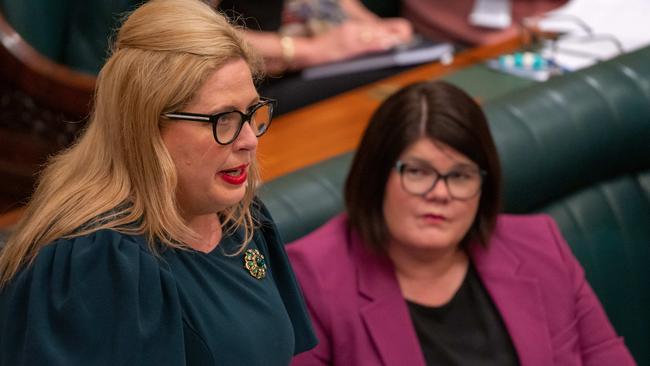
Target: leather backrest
572, 132
303, 200
42, 23
578, 148
75, 33
607, 226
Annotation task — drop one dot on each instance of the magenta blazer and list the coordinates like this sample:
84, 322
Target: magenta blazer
539, 288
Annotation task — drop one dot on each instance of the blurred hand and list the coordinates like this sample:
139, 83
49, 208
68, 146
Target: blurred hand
350, 39
353, 38
400, 28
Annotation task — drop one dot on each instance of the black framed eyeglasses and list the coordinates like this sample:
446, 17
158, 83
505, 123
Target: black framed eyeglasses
226, 126
461, 184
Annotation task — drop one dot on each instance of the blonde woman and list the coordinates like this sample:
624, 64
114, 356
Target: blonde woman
143, 243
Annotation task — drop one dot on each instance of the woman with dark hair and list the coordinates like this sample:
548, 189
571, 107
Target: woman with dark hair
422, 270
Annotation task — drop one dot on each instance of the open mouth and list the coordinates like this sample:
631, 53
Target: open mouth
235, 175
233, 172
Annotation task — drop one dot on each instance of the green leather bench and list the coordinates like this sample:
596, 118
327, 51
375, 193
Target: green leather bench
576, 147
70, 32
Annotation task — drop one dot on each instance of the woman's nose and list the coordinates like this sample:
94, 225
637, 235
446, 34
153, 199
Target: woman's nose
246, 139
439, 191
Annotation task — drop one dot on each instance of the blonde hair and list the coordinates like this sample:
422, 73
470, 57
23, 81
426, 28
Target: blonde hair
119, 174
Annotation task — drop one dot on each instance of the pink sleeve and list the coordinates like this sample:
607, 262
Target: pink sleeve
318, 310
599, 343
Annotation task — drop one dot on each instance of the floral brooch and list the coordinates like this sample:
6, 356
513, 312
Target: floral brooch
255, 264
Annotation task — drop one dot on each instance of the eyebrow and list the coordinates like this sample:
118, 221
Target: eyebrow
232, 108
460, 165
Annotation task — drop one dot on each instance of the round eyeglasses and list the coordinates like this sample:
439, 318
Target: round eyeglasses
462, 184
226, 126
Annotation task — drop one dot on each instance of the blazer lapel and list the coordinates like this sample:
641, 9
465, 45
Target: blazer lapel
383, 310
518, 299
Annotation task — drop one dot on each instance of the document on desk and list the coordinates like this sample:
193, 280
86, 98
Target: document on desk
597, 30
419, 51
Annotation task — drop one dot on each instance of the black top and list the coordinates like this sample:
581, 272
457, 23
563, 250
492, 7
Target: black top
468, 330
264, 15
104, 299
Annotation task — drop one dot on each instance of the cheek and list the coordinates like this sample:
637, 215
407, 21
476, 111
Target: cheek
198, 165
186, 159
396, 207
466, 215
194, 155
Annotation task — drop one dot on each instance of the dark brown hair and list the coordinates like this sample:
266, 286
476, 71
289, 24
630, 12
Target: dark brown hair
452, 117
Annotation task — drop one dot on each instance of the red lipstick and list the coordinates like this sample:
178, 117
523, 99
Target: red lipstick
235, 176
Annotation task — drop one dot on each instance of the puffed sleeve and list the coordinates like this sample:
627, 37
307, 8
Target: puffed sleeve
599, 343
101, 299
285, 280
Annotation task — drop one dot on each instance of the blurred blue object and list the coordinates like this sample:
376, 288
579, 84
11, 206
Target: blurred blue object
529, 65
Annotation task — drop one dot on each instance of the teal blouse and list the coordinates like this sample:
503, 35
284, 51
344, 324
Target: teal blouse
105, 299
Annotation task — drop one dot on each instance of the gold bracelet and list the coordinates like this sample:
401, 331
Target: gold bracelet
288, 50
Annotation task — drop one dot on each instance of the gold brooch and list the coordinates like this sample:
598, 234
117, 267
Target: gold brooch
255, 264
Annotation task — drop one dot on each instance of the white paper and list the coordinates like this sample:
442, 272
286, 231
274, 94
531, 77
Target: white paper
495, 14
626, 20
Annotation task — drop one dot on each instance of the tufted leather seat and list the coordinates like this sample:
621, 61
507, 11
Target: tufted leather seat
71, 32
576, 147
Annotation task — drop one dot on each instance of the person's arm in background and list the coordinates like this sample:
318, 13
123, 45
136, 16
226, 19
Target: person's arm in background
363, 32
399, 27
352, 38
